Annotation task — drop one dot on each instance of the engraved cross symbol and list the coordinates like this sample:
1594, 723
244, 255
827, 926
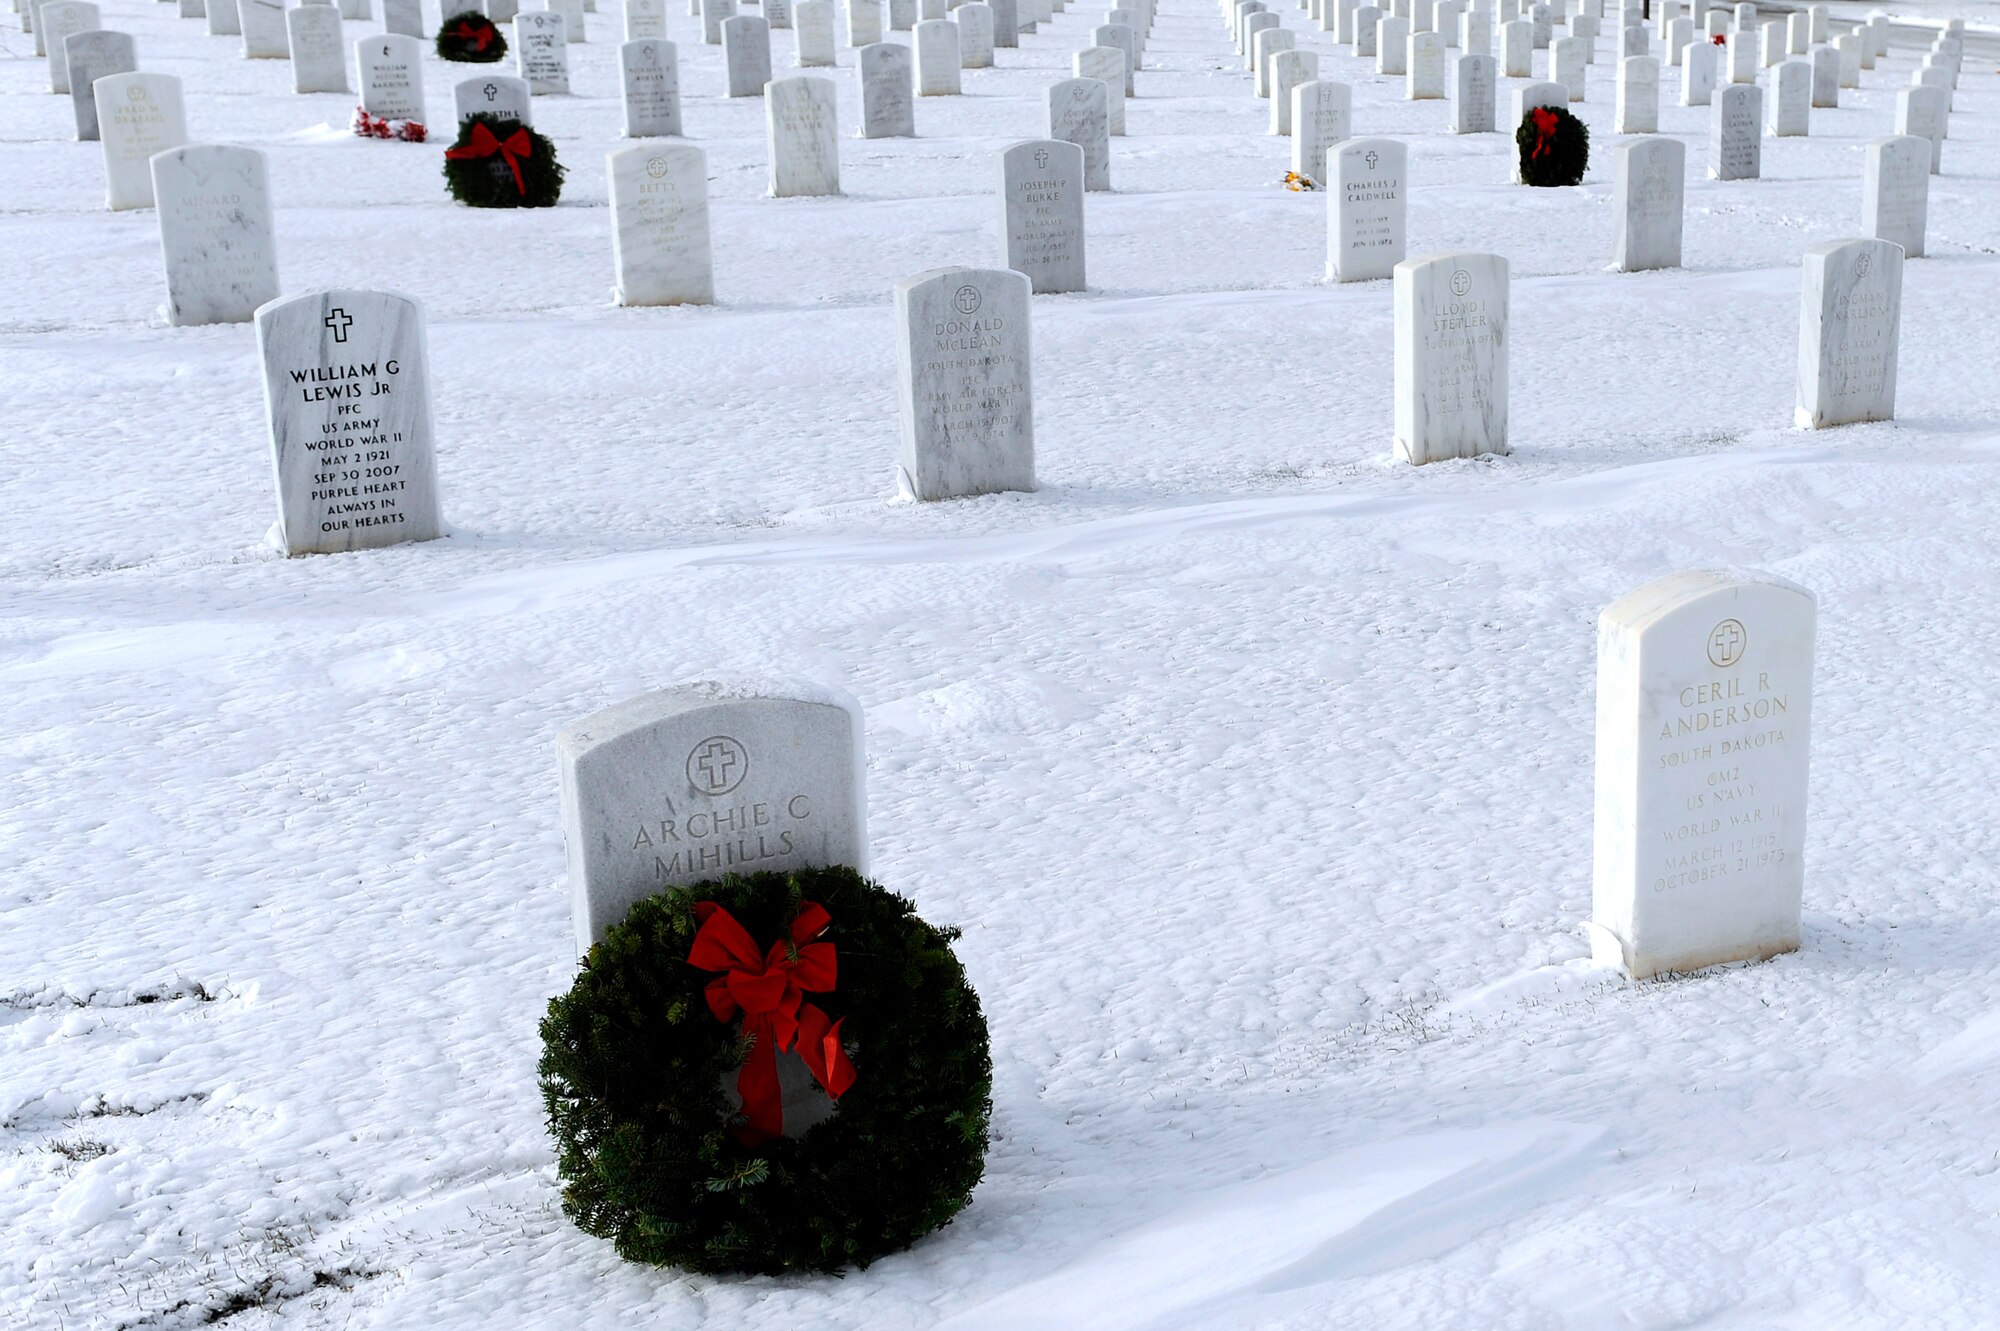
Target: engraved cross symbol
1726, 643
339, 321
1041, 157
1371, 159
490, 91
715, 760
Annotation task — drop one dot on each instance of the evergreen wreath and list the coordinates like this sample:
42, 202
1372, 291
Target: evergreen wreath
635, 1058
471, 37
1554, 146
498, 162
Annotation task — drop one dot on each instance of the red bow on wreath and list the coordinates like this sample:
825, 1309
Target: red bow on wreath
481, 37
1545, 131
769, 990
484, 144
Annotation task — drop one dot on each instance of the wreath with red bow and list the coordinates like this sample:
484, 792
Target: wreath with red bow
471, 37
1554, 147
663, 1072
498, 162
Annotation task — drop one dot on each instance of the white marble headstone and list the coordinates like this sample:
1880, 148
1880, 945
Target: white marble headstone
1568, 65
801, 134
1392, 45
746, 55
713, 12
1474, 90
1262, 47
1079, 113
1638, 108
1108, 65
1791, 99
1648, 198
1041, 213
864, 22
61, 20
888, 91
935, 42
138, 115
572, 11
659, 225
1367, 28
92, 56
220, 253
1921, 111
319, 55
1321, 113
813, 21
1424, 76
403, 18
975, 35
541, 51
1697, 74
1451, 356
347, 394
645, 20
1517, 50
1895, 191
1850, 318
1289, 69
494, 95
1735, 134
1704, 721
263, 25
1366, 207
1825, 77
390, 71
690, 783
965, 371
652, 89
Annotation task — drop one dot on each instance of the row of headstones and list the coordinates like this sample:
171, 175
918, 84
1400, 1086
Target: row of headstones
348, 399
1702, 748
1735, 143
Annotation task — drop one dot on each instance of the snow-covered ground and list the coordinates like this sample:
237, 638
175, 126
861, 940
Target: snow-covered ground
1256, 768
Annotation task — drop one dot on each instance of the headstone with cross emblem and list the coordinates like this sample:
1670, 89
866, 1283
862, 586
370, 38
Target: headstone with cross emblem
1080, 113
802, 135
964, 370
1850, 319
1704, 721
1321, 114
138, 115
390, 71
1647, 200
1451, 356
347, 396
1365, 209
935, 42
691, 783
659, 225
652, 88
541, 51
319, 55
494, 95
888, 91
214, 205
1041, 213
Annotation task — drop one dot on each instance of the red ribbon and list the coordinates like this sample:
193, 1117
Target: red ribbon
480, 37
484, 144
1719, 40
768, 989
1545, 131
